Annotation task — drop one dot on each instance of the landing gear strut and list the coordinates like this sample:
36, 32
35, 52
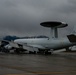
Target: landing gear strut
30, 52
46, 52
68, 50
19, 50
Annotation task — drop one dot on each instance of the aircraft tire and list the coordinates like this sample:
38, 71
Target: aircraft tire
47, 53
30, 52
7, 51
68, 50
17, 51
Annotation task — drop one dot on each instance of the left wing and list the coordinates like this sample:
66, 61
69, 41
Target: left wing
28, 47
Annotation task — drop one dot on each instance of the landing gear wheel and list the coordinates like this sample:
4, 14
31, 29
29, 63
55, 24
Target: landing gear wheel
68, 50
34, 52
7, 51
17, 51
30, 52
46, 53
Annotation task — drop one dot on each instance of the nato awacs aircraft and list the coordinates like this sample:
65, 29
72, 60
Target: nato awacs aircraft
46, 45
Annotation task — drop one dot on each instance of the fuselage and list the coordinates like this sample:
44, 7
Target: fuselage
52, 43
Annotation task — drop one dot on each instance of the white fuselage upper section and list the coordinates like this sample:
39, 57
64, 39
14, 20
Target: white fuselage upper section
45, 43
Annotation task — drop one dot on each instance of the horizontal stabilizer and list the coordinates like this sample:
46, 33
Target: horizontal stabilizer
72, 38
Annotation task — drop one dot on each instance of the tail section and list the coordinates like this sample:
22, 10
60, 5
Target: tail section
72, 38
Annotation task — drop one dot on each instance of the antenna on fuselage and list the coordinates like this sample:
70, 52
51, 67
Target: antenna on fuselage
54, 25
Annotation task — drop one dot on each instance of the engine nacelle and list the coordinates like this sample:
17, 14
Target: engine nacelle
8, 47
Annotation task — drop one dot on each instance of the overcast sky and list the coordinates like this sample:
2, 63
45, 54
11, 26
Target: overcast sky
23, 17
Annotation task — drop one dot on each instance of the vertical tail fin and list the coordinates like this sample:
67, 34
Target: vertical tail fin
72, 38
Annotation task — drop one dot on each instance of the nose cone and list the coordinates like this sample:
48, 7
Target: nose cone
16, 41
19, 41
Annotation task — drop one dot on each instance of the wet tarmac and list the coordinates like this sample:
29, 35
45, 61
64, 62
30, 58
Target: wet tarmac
32, 64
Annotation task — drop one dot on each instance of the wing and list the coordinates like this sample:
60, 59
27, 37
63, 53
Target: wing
28, 47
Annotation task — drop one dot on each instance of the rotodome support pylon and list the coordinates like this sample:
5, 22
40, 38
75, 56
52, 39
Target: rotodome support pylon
54, 25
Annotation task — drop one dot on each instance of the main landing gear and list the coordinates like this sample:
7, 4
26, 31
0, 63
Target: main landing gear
30, 52
46, 51
68, 49
19, 50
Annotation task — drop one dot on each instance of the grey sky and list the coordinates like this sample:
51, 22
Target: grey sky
22, 17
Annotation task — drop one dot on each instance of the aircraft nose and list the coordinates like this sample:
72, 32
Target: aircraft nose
16, 41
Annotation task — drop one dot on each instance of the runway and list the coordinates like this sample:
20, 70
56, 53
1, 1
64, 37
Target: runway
32, 64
